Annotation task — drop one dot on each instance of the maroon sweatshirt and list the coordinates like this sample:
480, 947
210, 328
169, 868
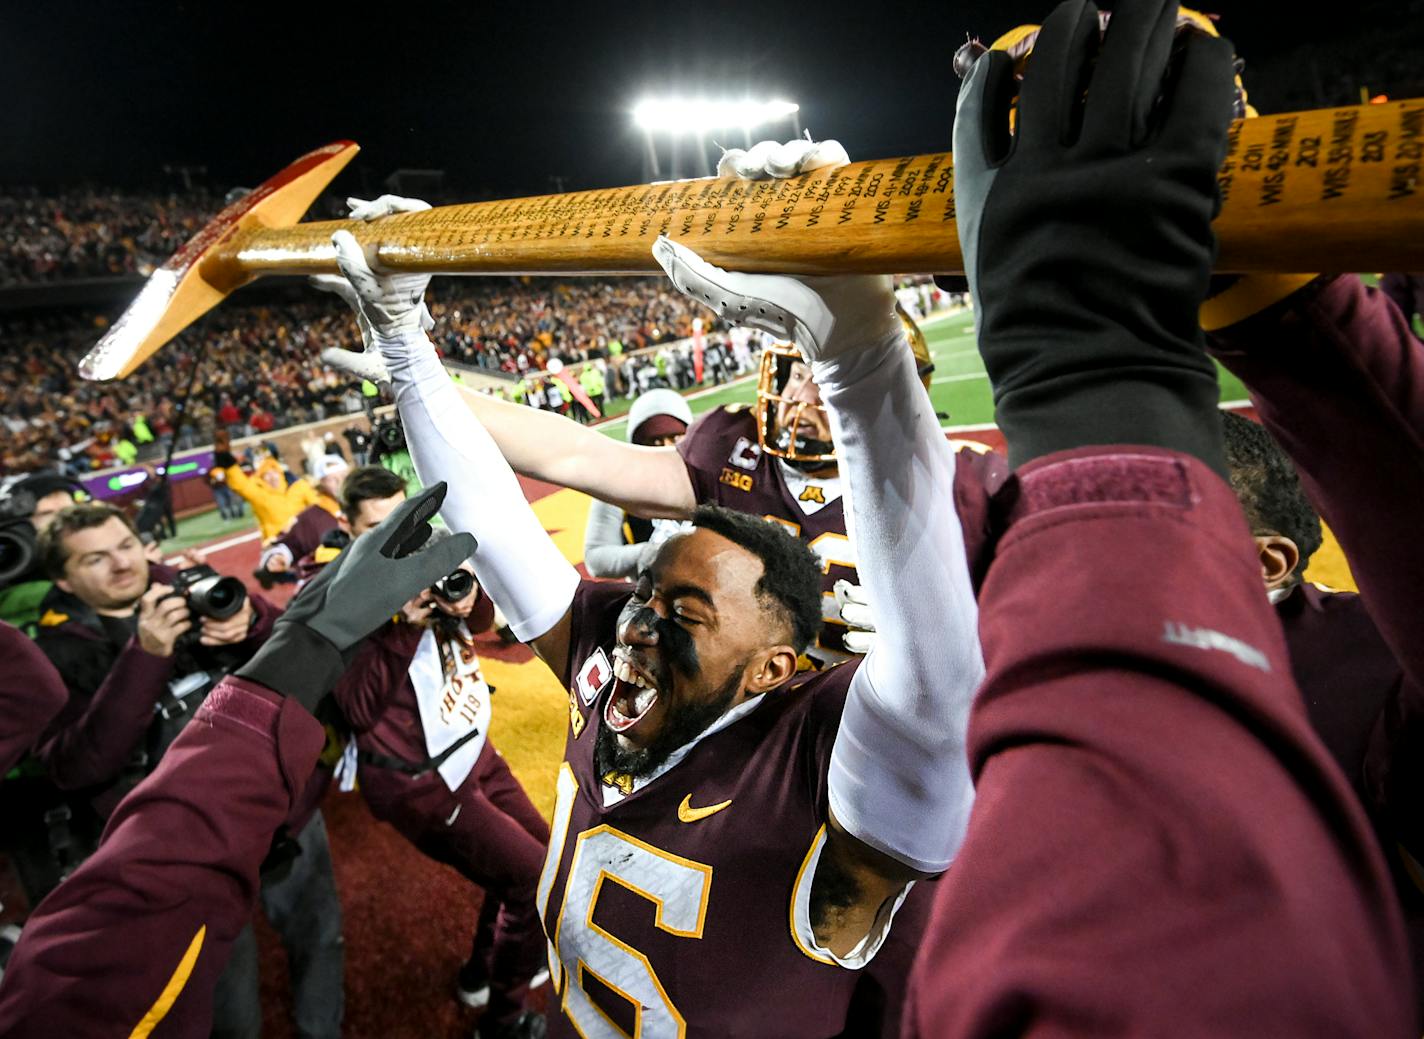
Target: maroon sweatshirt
141, 931
1160, 843
379, 702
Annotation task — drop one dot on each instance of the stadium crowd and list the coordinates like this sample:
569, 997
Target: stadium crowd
94, 233
883, 735
260, 368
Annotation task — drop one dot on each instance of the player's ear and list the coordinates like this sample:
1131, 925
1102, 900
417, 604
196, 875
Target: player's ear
770, 669
1279, 557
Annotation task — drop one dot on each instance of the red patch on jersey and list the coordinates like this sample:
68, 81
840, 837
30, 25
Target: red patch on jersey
594, 676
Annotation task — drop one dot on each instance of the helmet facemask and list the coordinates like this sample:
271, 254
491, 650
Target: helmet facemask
783, 412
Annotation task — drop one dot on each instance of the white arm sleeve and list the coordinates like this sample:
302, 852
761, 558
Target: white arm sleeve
605, 553
516, 562
899, 773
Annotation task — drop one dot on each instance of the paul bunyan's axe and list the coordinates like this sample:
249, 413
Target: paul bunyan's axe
1320, 191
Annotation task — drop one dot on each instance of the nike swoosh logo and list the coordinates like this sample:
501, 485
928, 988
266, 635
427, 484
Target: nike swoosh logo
687, 814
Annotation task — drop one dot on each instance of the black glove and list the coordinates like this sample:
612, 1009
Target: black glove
1087, 230
355, 594
224, 459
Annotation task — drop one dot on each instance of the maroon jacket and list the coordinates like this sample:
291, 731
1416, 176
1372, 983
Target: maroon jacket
111, 695
31, 694
141, 931
1160, 844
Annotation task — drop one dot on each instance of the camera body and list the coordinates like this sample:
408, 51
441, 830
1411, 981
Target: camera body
19, 556
388, 438
209, 593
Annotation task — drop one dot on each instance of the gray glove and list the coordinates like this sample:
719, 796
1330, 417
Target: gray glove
354, 595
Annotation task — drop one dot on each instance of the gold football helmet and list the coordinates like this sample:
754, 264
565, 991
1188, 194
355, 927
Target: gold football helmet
1018, 43
792, 423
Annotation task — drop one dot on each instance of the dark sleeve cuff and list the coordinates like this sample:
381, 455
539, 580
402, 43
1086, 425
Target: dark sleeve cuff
296, 662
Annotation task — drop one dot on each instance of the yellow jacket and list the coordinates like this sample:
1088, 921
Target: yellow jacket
276, 508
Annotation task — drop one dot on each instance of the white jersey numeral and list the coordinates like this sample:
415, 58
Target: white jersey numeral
677, 887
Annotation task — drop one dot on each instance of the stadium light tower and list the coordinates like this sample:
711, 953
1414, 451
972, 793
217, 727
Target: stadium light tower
700, 118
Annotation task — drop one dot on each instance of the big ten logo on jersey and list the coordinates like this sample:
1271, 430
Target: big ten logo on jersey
465, 689
745, 454
732, 478
838, 562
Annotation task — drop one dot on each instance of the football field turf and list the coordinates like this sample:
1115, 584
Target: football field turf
959, 387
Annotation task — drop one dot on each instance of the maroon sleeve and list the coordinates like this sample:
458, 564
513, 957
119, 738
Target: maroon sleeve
31, 694
379, 668
1159, 843
89, 742
1338, 378
143, 928
977, 478
306, 531
481, 618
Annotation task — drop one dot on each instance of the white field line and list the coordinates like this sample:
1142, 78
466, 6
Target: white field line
240, 539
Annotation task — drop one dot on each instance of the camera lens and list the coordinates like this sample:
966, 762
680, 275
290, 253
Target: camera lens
455, 586
17, 550
217, 597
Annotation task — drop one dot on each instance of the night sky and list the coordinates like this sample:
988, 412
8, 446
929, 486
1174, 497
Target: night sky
501, 96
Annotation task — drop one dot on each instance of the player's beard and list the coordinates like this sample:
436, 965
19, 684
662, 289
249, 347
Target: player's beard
683, 724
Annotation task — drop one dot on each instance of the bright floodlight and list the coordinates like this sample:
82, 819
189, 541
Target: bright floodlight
677, 116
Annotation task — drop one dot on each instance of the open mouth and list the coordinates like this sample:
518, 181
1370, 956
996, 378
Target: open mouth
633, 696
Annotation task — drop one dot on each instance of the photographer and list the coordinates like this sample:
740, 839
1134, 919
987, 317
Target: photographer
420, 710
139, 656
135, 655
166, 911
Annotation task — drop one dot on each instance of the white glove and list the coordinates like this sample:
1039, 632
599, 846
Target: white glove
774, 160
368, 364
854, 606
823, 316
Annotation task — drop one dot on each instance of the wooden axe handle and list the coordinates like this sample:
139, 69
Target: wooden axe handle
1333, 190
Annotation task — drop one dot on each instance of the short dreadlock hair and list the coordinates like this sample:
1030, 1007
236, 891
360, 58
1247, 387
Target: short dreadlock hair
791, 578
1268, 487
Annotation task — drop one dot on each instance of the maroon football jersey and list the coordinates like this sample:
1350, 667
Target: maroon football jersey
670, 912
727, 467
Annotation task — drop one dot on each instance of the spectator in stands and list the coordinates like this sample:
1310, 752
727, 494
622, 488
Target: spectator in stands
274, 501
261, 363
